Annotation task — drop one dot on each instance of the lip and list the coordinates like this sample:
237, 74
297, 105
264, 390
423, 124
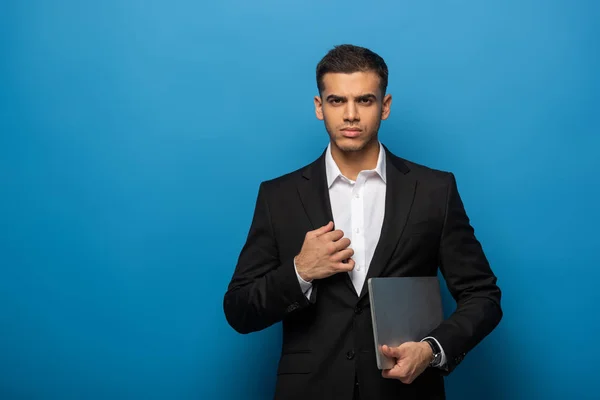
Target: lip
351, 133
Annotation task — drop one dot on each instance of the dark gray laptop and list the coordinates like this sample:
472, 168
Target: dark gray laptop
403, 309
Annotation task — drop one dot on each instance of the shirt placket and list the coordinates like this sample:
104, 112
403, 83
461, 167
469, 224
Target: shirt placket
358, 238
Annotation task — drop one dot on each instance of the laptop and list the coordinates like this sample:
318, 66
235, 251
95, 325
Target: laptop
403, 309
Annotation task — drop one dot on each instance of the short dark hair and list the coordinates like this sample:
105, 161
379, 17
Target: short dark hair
347, 58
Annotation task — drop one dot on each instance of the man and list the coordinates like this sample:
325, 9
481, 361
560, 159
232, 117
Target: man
357, 212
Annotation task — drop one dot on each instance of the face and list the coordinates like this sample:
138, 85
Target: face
352, 107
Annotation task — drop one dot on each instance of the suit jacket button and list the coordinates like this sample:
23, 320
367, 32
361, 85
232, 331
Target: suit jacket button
358, 310
292, 307
350, 355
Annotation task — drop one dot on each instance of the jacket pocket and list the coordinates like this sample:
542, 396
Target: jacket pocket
295, 363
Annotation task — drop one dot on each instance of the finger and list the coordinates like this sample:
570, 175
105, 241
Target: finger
342, 256
320, 231
341, 244
333, 236
391, 351
344, 266
393, 373
397, 373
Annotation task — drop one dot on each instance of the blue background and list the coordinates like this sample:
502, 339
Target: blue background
134, 135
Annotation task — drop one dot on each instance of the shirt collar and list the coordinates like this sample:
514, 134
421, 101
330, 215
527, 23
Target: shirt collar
333, 172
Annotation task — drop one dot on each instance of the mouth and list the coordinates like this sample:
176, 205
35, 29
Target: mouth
351, 132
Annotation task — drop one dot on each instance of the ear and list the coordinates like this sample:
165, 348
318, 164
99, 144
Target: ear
318, 107
385, 107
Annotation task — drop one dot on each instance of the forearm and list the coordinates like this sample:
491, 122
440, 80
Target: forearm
470, 280
472, 321
265, 300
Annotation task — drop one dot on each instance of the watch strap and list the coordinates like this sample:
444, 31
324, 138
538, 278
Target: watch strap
437, 352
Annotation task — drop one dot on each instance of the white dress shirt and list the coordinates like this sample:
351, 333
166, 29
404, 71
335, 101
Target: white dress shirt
358, 209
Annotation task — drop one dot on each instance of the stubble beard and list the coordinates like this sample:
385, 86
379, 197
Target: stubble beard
352, 147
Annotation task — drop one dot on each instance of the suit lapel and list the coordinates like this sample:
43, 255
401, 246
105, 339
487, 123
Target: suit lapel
400, 192
314, 195
399, 195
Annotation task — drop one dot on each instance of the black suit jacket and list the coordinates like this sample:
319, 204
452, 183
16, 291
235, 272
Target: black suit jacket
328, 339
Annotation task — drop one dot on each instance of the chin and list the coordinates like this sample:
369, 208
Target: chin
350, 148
350, 144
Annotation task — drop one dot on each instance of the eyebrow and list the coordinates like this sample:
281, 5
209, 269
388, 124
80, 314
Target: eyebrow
368, 96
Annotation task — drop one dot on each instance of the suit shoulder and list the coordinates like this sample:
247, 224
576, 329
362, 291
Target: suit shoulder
285, 180
424, 172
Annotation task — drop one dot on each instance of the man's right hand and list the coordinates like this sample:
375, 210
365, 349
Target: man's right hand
324, 253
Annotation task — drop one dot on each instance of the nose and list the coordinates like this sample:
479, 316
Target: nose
351, 112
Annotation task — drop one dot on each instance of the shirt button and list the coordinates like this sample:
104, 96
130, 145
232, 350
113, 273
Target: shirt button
357, 267
350, 355
356, 196
357, 230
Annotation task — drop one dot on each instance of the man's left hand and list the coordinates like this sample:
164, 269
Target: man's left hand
412, 358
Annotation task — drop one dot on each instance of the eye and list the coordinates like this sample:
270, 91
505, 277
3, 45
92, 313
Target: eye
365, 101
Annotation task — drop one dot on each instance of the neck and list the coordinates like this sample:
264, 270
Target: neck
351, 163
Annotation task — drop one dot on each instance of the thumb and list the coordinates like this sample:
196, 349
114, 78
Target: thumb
394, 352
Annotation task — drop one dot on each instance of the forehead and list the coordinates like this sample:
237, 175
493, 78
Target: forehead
355, 83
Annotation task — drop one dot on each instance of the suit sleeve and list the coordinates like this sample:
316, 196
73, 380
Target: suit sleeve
470, 280
263, 289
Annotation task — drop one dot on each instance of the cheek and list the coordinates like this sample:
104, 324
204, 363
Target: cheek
332, 117
371, 118
331, 113
373, 115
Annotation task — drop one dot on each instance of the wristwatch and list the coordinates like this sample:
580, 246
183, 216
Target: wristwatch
437, 352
